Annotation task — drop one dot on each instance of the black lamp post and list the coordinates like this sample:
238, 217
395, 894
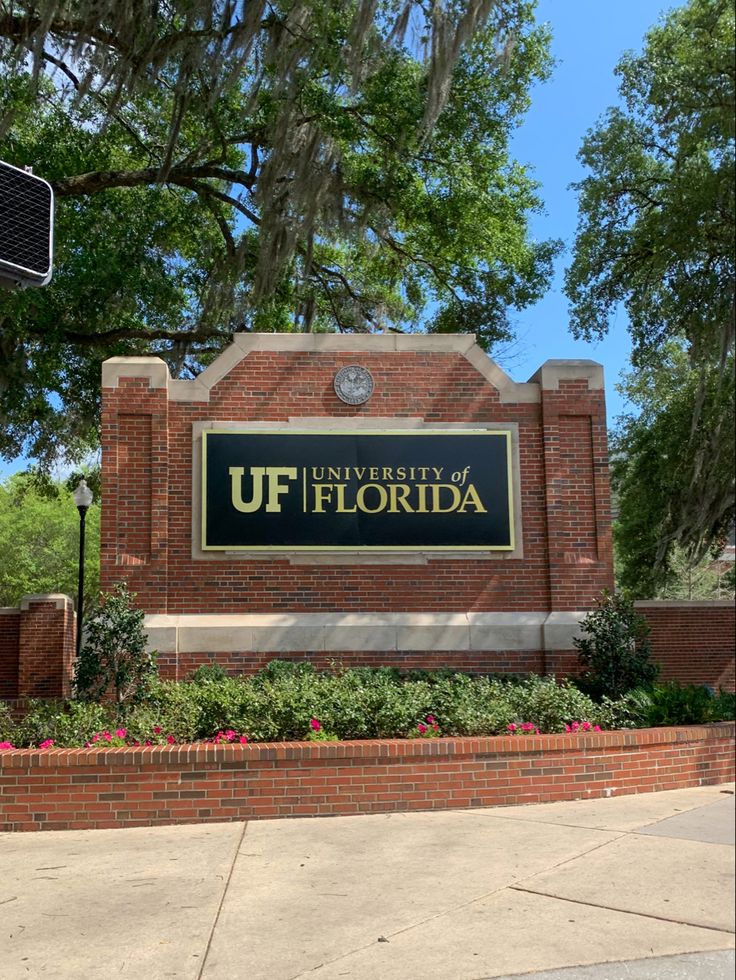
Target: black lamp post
83, 499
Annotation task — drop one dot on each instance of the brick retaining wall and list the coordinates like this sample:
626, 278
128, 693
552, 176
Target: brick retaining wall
68, 789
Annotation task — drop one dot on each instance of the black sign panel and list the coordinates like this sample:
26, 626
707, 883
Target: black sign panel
385, 491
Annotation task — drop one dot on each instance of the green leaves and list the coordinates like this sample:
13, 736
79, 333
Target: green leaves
114, 660
39, 540
655, 233
310, 167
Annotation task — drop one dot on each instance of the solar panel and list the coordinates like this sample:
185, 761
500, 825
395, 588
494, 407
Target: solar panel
26, 227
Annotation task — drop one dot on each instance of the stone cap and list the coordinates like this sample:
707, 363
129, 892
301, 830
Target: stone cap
58, 598
554, 370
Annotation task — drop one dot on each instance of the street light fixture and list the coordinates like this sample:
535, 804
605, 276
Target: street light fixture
83, 498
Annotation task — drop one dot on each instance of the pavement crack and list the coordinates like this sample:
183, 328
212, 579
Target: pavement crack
614, 908
222, 900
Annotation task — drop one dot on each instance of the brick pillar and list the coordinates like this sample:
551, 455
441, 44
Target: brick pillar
46, 646
9, 639
576, 483
135, 478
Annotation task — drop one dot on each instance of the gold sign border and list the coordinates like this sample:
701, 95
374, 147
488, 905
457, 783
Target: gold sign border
358, 547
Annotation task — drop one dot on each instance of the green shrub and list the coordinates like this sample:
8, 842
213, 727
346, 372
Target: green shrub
68, 723
114, 658
8, 725
631, 710
688, 704
211, 673
614, 651
468, 706
551, 705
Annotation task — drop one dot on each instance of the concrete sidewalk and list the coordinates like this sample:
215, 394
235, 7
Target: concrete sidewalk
636, 885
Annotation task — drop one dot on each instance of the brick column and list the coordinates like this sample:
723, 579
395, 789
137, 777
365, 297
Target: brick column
46, 646
135, 478
576, 482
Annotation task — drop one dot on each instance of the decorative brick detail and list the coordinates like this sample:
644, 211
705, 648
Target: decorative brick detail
46, 646
694, 641
69, 789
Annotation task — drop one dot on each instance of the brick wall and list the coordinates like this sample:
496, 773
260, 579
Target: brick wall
77, 789
694, 641
37, 644
148, 465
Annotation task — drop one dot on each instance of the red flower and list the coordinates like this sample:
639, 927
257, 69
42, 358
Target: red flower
315, 725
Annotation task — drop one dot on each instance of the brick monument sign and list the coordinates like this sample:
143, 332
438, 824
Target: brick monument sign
370, 499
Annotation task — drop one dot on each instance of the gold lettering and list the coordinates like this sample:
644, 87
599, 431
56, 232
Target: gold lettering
340, 503
437, 471
422, 494
437, 507
471, 498
398, 492
275, 488
360, 498
322, 495
236, 488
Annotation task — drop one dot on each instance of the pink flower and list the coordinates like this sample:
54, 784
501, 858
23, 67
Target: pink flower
567, 728
6, 745
230, 734
121, 732
107, 736
170, 739
315, 725
435, 726
511, 727
596, 728
430, 719
47, 744
157, 729
422, 728
148, 741
587, 726
575, 725
243, 739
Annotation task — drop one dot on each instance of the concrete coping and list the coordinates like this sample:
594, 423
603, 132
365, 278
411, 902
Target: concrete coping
683, 603
57, 598
198, 389
376, 631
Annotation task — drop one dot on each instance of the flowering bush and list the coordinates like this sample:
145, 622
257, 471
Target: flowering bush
429, 728
581, 727
317, 733
291, 702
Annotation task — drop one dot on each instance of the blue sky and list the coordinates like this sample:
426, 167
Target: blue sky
589, 37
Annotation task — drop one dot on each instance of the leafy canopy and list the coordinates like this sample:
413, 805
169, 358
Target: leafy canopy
39, 539
315, 165
656, 234
653, 452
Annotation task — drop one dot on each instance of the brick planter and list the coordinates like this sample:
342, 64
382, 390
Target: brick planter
65, 789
